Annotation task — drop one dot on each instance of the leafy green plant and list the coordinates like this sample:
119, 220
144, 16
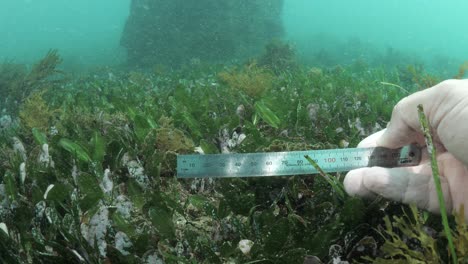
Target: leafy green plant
75, 149
335, 183
425, 126
267, 114
108, 191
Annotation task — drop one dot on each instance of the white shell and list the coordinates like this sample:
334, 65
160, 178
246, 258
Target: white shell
106, 184
48, 190
4, 228
22, 169
245, 245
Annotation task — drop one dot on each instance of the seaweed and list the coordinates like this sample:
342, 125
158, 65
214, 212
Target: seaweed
425, 128
35, 112
406, 240
415, 76
16, 84
252, 80
461, 71
460, 235
44, 69
169, 142
279, 57
108, 191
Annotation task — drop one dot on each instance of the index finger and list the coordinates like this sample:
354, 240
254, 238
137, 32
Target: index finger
404, 127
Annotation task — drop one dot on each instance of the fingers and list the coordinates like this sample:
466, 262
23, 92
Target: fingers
446, 108
412, 185
404, 127
450, 122
371, 141
456, 175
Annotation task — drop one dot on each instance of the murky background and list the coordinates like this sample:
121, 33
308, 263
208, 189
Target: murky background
88, 32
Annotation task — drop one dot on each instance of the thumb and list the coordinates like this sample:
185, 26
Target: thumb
410, 185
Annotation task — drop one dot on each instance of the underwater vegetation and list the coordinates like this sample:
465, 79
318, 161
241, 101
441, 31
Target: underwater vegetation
252, 80
87, 169
16, 83
279, 57
462, 70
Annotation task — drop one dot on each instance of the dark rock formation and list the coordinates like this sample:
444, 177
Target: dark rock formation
174, 32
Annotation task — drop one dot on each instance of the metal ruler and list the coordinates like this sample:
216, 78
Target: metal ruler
293, 162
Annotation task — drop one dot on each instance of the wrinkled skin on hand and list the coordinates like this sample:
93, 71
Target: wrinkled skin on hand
446, 107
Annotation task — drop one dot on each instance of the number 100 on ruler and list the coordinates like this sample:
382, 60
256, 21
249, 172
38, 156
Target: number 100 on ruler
293, 162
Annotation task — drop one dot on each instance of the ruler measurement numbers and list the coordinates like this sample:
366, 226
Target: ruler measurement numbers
293, 162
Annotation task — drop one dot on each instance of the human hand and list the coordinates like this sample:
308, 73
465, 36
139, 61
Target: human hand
446, 108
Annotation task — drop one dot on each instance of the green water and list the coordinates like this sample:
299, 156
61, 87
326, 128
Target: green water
88, 32
432, 30
85, 32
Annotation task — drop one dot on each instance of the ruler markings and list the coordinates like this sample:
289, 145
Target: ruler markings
292, 163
